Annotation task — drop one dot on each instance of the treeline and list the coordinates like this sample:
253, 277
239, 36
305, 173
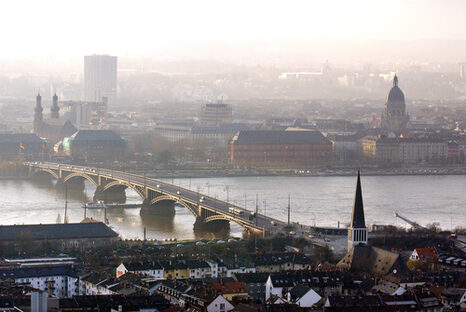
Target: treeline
14, 168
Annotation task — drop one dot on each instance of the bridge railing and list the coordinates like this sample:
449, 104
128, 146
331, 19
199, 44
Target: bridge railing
127, 176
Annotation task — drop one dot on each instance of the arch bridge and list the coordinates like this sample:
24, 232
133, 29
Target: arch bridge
159, 197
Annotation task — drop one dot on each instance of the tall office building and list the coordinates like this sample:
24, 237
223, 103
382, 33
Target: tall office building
100, 78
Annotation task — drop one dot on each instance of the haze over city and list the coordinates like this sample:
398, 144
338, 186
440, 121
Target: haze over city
233, 155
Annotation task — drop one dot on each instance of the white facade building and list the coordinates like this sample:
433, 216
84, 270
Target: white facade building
59, 281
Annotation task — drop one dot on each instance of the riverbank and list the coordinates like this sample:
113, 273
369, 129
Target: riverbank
217, 173
14, 177
283, 172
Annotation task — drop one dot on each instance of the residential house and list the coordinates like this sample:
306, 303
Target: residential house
303, 295
147, 268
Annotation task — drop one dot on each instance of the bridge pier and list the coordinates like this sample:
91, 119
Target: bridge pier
115, 194
161, 208
212, 226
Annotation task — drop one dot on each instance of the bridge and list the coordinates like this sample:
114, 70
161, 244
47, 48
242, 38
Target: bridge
159, 197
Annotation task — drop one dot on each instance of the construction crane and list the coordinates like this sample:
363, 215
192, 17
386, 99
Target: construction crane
412, 223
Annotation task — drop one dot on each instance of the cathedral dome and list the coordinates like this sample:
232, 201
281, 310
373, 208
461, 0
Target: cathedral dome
395, 98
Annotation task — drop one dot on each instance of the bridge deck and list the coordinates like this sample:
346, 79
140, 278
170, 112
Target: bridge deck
220, 208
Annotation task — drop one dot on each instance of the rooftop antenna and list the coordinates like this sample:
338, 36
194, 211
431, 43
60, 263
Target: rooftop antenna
289, 208
105, 215
257, 206
66, 220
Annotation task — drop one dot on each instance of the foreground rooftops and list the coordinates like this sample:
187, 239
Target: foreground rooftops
96, 135
56, 231
19, 138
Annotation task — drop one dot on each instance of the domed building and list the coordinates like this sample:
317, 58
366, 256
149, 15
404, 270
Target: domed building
394, 117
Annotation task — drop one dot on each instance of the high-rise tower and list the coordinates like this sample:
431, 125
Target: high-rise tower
38, 118
54, 110
357, 232
100, 78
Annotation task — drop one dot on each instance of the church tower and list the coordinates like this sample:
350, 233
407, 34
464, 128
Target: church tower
357, 232
54, 110
38, 118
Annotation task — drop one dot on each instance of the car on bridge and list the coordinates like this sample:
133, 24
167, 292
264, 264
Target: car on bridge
235, 211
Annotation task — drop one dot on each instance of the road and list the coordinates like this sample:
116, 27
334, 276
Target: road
244, 217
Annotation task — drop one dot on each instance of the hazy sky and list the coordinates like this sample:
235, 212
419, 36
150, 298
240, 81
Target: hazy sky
64, 29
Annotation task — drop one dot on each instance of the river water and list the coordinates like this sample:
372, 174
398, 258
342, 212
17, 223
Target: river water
323, 201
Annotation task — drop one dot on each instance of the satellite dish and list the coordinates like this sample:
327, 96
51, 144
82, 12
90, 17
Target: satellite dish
394, 271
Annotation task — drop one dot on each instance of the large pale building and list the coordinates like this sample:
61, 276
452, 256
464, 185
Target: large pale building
404, 150
100, 78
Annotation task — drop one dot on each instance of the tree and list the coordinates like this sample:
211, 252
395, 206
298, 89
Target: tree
165, 156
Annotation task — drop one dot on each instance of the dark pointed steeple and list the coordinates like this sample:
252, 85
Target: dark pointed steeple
357, 219
38, 119
54, 110
395, 81
38, 108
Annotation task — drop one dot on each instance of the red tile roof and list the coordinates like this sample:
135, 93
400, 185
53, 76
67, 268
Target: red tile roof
427, 253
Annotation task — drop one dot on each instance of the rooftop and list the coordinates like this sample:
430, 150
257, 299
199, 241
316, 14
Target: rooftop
279, 137
56, 231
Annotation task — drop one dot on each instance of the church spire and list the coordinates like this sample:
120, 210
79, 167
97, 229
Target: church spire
54, 110
357, 231
357, 219
395, 81
38, 121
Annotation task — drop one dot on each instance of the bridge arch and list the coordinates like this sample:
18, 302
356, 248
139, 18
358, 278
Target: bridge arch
217, 217
51, 172
82, 175
121, 183
175, 200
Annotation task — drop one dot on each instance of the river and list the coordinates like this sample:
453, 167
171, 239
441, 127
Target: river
323, 201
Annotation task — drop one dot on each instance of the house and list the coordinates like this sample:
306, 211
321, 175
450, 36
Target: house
198, 269
454, 297
239, 267
214, 268
148, 268
282, 262
174, 290
388, 288
324, 283
424, 254
230, 290
220, 304
60, 280
278, 285
95, 283
255, 284
113, 303
303, 295
174, 269
352, 303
